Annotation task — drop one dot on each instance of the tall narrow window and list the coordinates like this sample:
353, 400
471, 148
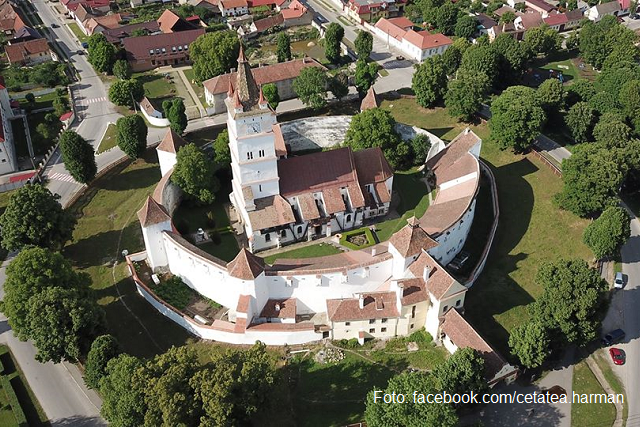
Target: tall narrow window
250, 155
261, 153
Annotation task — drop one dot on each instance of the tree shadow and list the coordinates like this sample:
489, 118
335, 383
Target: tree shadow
78, 421
85, 254
440, 132
132, 179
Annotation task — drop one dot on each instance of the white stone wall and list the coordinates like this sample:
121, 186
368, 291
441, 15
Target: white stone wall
349, 330
167, 161
154, 243
449, 245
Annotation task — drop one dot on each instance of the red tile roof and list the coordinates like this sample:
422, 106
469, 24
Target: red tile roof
413, 291
230, 4
281, 148
412, 239
439, 281
541, 4
372, 166
279, 309
138, 48
172, 142
370, 101
270, 212
389, 27
426, 40
269, 22
167, 20
377, 305
401, 22
152, 213
245, 265
295, 10
556, 19
19, 52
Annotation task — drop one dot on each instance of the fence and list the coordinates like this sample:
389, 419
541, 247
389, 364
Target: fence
555, 169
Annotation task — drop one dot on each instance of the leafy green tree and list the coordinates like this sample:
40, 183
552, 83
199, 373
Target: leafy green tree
62, 324
543, 40
78, 156
31, 100
599, 40
512, 58
311, 87
582, 90
483, 59
214, 54
420, 146
366, 74
446, 18
429, 9
507, 18
32, 271
122, 392
283, 47
131, 135
60, 105
606, 235
477, 6
530, 343
339, 85
516, 118
466, 26
466, 93
364, 44
605, 102
573, 41
376, 128
550, 95
221, 149
572, 301
451, 59
270, 91
34, 217
580, 119
126, 92
49, 128
429, 81
409, 414
102, 54
103, 349
332, 38
194, 173
122, 69
175, 111
629, 97
611, 132
463, 372
591, 179
614, 77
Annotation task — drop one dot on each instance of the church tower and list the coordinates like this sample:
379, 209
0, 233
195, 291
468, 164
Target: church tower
250, 121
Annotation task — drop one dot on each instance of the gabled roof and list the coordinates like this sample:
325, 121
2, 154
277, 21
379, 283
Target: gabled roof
152, 213
556, 19
245, 265
605, 8
372, 166
369, 101
412, 239
376, 305
439, 281
269, 22
270, 212
281, 148
115, 35
295, 10
171, 142
279, 309
426, 40
485, 21
402, 22
230, 4
138, 48
541, 4
169, 22
19, 52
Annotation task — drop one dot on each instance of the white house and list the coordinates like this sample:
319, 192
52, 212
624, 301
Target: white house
599, 11
420, 45
233, 7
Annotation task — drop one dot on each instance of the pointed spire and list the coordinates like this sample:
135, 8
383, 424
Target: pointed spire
152, 213
262, 102
370, 100
241, 55
230, 90
246, 86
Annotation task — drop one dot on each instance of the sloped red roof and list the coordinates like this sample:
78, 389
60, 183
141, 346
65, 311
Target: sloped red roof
18, 52
245, 265
376, 305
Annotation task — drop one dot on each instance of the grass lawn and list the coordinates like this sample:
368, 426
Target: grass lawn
107, 224
602, 359
531, 231
311, 251
197, 88
42, 101
75, 29
156, 85
589, 414
28, 402
109, 139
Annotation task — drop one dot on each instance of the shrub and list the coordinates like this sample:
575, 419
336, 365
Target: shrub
420, 336
18, 413
175, 292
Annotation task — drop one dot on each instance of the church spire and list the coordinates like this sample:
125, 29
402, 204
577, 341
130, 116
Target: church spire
246, 86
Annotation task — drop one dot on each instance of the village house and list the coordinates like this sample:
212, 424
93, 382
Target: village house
282, 75
420, 45
98, 7
98, 24
148, 52
597, 12
485, 22
169, 22
540, 6
136, 3
116, 35
8, 159
233, 7
31, 52
370, 11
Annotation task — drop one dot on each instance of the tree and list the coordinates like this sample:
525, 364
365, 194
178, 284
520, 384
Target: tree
102, 54
629, 97
582, 90
339, 85
78, 156
591, 179
32, 271
131, 135
605, 102
420, 146
332, 39
580, 119
49, 128
122, 69
530, 343
60, 105
366, 74
311, 87
175, 111
543, 40
507, 18
516, 118
364, 44
126, 92
270, 92
62, 323
611, 132
482, 59
446, 18
466, 27
550, 95
599, 40
214, 53
466, 93
194, 173
103, 349
122, 392
376, 128
512, 57
463, 372
429, 81
606, 235
572, 301
409, 414
283, 47
222, 153
477, 6
31, 100
34, 217
614, 77
451, 59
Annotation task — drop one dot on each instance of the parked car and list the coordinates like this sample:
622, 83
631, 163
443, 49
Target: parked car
400, 58
618, 283
55, 26
85, 45
613, 337
617, 356
80, 52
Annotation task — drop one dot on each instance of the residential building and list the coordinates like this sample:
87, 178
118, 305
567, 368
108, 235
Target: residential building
282, 74
233, 7
31, 52
8, 159
136, 3
24, 34
540, 6
574, 17
98, 6
372, 10
211, 5
148, 52
485, 22
98, 24
399, 33
597, 12
296, 14
11, 20
557, 21
116, 35
261, 25
169, 22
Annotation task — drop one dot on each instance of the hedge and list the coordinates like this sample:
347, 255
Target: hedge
18, 413
365, 231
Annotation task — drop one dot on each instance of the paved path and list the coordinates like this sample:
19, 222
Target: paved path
194, 96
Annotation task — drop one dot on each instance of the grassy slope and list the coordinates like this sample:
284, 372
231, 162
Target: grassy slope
589, 414
109, 139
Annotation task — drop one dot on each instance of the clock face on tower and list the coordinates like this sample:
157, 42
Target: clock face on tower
253, 127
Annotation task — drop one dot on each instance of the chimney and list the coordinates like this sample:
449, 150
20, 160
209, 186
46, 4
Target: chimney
277, 307
374, 251
425, 273
361, 301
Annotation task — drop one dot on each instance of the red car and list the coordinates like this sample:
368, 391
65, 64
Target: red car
617, 356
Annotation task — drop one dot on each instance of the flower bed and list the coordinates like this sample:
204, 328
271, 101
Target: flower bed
357, 239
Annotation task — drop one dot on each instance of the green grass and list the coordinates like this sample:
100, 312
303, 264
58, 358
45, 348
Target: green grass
42, 101
361, 231
226, 250
175, 292
601, 358
589, 414
156, 85
311, 251
75, 29
109, 139
107, 224
198, 88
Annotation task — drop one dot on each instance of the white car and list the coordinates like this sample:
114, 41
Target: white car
618, 283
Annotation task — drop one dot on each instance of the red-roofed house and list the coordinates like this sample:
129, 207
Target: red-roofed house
557, 21
540, 6
98, 24
296, 14
372, 10
103, 6
29, 52
417, 45
233, 7
148, 52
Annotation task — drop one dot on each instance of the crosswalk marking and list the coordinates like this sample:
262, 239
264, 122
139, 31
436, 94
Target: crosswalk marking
93, 100
62, 177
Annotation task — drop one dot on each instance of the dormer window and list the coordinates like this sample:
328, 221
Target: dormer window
150, 51
164, 50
